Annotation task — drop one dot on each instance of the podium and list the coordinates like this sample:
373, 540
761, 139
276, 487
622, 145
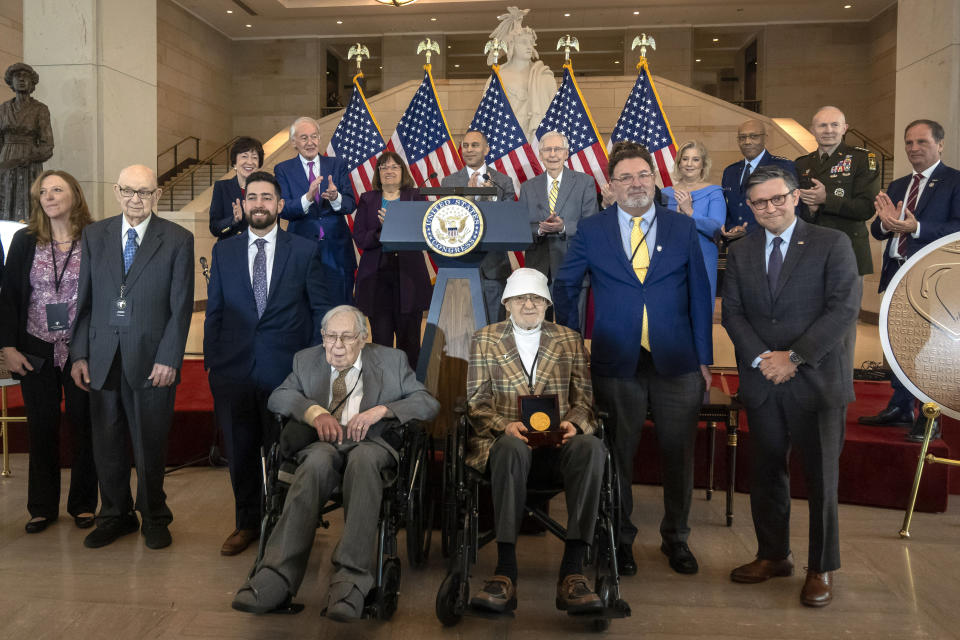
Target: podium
456, 308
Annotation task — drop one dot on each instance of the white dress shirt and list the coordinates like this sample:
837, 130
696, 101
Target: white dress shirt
140, 228
304, 201
351, 406
767, 250
270, 248
924, 178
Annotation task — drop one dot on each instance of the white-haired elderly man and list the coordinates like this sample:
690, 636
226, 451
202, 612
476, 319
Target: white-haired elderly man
317, 196
526, 355
340, 393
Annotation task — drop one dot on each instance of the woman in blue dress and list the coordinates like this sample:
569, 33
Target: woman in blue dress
693, 196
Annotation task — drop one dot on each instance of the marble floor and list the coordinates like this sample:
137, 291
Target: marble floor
53, 587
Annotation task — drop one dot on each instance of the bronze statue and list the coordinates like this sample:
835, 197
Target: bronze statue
26, 140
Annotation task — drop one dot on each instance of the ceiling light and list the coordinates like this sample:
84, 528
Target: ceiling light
457, 66
636, 13
716, 39
249, 26
229, 10
433, 19
697, 60
339, 21
397, 3
566, 15
616, 62
848, 6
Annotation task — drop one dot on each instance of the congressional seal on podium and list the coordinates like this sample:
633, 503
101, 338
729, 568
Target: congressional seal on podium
453, 226
920, 324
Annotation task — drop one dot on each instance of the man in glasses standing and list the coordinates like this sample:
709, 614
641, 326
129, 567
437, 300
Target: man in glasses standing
652, 337
790, 296
133, 311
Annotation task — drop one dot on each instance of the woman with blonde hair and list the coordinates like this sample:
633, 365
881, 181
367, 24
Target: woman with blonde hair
692, 195
38, 305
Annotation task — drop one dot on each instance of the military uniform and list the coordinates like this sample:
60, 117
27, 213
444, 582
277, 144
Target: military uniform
851, 177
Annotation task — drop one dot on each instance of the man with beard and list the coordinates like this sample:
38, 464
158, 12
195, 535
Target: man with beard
268, 293
652, 337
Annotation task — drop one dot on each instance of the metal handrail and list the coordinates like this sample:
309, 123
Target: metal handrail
207, 162
886, 157
175, 148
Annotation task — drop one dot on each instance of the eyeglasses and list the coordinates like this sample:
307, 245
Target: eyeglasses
127, 192
552, 149
749, 136
761, 205
305, 138
390, 167
643, 176
348, 339
532, 298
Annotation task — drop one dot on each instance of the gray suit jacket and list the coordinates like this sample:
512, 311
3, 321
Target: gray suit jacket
495, 266
811, 312
577, 199
159, 295
387, 380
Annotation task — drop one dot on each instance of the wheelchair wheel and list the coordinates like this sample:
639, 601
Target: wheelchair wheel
450, 605
448, 499
419, 523
389, 592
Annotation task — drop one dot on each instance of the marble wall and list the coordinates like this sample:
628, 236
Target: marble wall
11, 39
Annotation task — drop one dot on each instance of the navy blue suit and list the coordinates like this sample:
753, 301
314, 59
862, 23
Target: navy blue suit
626, 377
225, 193
320, 222
738, 211
938, 213
249, 356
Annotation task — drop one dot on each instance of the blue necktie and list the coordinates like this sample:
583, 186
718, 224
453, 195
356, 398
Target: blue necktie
129, 249
775, 264
745, 178
260, 276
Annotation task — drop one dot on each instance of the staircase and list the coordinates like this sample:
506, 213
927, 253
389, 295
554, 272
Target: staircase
190, 176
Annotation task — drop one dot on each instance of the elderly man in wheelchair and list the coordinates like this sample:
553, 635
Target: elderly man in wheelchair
342, 398
527, 356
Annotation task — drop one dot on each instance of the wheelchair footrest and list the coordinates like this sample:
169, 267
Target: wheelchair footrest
289, 608
477, 612
619, 609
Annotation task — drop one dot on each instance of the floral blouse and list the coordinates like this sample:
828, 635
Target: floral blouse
45, 291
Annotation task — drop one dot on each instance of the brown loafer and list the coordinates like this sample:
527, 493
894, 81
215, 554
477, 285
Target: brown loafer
762, 570
817, 589
239, 540
574, 595
498, 594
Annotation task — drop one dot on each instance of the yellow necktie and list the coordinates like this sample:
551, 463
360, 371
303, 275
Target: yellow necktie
552, 196
641, 262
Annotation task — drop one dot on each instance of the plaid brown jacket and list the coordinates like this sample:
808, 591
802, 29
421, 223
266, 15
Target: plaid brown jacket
495, 378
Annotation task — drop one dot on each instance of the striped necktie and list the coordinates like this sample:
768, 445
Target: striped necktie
641, 262
552, 197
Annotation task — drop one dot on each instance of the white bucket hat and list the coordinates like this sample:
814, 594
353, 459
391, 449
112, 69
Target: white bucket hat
523, 281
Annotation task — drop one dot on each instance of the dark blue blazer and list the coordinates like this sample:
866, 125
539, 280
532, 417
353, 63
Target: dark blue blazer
938, 212
239, 345
225, 193
676, 292
337, 245
738, 211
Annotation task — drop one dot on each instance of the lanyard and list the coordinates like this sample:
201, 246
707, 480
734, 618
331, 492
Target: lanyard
529, 373
643, 238
57, 279
349, 393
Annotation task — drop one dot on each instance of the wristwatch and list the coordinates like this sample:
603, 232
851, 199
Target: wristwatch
795, 357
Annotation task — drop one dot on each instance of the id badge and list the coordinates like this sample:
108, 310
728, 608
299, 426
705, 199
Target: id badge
120, 313
58, 318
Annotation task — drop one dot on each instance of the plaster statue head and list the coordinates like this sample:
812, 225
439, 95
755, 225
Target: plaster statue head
521, 41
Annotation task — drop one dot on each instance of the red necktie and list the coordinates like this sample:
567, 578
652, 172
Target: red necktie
911, 207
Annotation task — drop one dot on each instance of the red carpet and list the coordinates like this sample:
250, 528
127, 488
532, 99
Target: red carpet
876, 467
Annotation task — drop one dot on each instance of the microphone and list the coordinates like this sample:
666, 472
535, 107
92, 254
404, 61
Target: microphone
428, 179
205, 268
486, 177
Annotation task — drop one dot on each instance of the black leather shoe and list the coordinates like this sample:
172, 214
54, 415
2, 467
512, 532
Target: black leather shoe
156, 536
681, 558
920, 428
84, 522
626, 565
889, 417
36, 526
109, 531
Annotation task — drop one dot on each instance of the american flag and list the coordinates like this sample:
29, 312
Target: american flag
643, 120
568, 114
423, 139
510, 152
358, 140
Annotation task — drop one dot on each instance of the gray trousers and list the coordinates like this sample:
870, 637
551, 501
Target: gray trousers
675, 402
361, 469
578, 465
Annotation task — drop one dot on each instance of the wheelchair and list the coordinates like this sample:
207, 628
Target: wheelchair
461, 538
405, 504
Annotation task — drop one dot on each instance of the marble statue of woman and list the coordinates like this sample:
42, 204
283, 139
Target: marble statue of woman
529, 83
26, 141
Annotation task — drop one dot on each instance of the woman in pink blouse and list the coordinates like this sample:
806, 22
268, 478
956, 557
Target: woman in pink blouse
38, 305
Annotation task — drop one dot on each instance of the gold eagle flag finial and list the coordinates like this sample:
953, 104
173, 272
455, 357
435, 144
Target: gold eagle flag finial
493, 49
643, 41
359, 52
566, 43
430, 46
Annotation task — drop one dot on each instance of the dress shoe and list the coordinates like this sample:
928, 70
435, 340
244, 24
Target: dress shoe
817, 589
626, 565
156, 536
85, 520
498, 595
889, 417
36, 526
264, 592
920, 428
681, 558
111, 529
762, 570
239, 540
575, 596
345, 602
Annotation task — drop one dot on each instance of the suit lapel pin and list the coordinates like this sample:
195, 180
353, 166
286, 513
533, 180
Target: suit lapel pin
799, 242
659, 248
